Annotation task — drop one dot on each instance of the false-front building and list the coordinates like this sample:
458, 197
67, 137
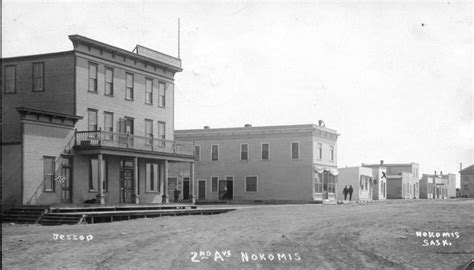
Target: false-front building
96, 122
295, 163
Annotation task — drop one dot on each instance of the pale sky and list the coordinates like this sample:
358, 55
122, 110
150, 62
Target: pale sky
393, 78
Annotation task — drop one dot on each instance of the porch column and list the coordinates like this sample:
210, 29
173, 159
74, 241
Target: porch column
135, 180
100, 178
166, 197
191, 175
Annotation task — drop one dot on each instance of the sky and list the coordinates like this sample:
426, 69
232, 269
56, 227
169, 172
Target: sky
394, 78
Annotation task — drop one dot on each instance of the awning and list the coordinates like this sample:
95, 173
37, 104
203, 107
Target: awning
319, 169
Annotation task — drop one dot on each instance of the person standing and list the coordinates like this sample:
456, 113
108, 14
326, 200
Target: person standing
345, 191
350, 192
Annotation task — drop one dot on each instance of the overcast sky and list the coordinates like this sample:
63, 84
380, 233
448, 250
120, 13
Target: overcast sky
394, 79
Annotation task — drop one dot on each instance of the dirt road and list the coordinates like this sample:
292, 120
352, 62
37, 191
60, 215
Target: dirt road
356, 236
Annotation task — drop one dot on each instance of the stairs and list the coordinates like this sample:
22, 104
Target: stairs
24, 214
60, 219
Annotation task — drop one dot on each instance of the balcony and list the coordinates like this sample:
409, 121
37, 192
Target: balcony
85, 140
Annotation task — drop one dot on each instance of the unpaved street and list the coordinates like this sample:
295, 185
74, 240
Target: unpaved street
355, 236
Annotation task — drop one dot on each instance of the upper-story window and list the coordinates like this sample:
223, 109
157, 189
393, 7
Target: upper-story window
92, 77
129, 86
38, 76
197, 153
149, 91
10, 79
295, 150
149, 130
320, 151
108, 125
244, 151
215, 152
161, 94
92, 120
265, 151
161, 130
109, 81
332, 153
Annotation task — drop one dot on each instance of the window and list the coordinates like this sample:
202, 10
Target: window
10, 79
161, 130
250, 184
109, 82
108, 125
161, 94
48, 173
149, 130
265, 151
332, 153
214, 181
38, 76
94, 175
215, 152
129, 86
149, 91
320, 151
295, 150
92, 116
92, 77
152, 177
244, 152
197, 153
318, 184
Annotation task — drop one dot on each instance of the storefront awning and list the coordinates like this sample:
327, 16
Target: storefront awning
320, 169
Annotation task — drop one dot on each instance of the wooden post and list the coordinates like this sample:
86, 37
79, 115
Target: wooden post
100, 178
165, 188
135, 181
191, 175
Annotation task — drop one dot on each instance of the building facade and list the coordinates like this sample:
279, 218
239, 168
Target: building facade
96, 122
402, 179
296, 163
467, 182
438, 186
360, 179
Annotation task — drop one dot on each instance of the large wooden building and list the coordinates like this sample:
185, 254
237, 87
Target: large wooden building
93, 122
295, 163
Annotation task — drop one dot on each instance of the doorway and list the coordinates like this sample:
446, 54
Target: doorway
201, 190
226, 188
66, 183
126, 181
186, 188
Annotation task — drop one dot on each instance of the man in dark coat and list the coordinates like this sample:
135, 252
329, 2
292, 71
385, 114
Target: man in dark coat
350, 193
345, 191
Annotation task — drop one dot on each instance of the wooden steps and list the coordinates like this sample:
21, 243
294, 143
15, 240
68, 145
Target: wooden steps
24, 214
100, 214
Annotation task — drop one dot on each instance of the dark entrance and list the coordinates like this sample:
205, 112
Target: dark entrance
66, 183
126, 181
201, 190
226, 189
185, 188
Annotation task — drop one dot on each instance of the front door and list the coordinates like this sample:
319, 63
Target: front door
186, 188
66, 183
201, 190
226, 189
126, 181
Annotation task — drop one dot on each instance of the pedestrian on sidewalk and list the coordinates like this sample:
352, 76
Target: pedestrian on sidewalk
350, 192
345, 191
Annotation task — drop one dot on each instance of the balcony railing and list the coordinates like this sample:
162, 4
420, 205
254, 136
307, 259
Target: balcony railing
129, 141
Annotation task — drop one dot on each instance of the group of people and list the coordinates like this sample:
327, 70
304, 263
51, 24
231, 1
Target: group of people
349, 191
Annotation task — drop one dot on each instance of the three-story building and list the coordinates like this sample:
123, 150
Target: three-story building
93, 122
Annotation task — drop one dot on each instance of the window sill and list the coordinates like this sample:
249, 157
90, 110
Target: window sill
128, 99
92, 92
43, 90
109, 95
